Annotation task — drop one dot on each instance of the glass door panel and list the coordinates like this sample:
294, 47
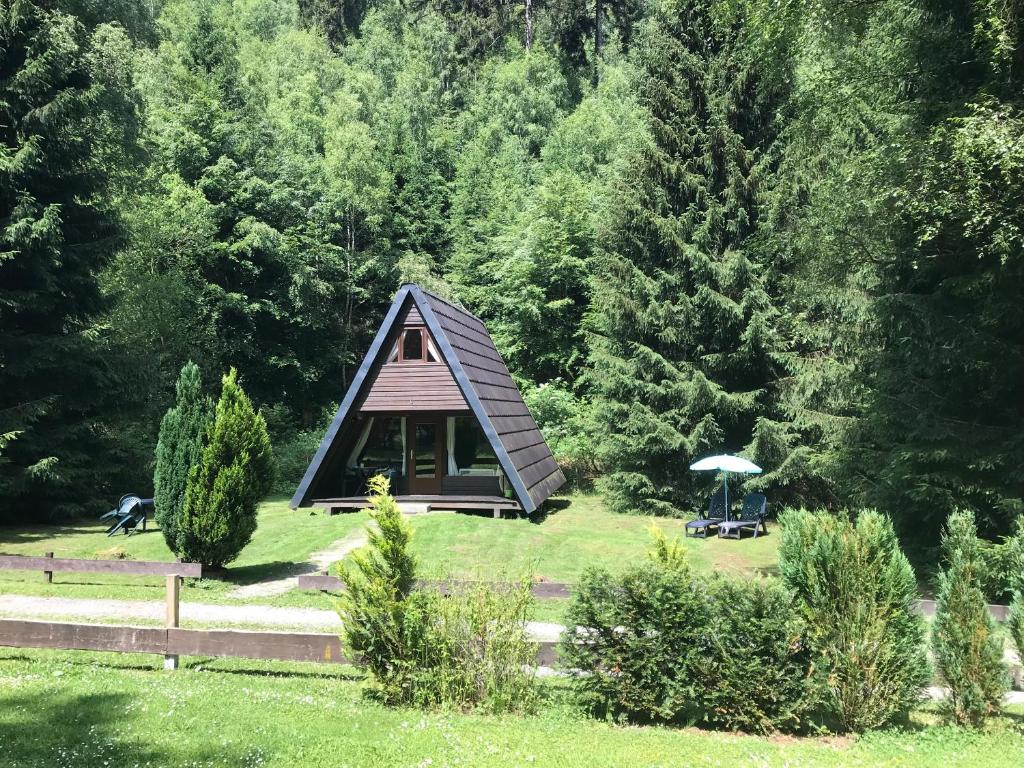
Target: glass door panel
426, 455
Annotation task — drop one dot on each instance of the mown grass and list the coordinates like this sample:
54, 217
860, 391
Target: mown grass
90, 710
580, 533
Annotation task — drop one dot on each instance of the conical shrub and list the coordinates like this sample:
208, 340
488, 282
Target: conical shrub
235, 471
178, 450
858, 595
967, 651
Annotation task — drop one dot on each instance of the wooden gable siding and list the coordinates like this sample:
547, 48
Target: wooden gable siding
500, 398
413, 387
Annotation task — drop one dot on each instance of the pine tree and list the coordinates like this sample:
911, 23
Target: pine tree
235, 471
968, 652
178, 450
67, 126
684, 345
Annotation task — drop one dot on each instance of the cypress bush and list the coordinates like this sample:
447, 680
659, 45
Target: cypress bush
968, 652
1015, 621
178, 449
656, 644
425, 649
858, 595
378, 605
760, 675
643, 654
234, 472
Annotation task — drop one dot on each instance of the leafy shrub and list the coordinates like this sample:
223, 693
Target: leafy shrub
759, 675
564, 420
999, 569
477, 650
292, 457
178, 450
1015, 621
968, 652
293, 444
224, 489
857, 592
642, 655
425, 649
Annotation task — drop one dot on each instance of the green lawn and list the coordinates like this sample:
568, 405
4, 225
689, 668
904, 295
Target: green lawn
91, 710
580, 533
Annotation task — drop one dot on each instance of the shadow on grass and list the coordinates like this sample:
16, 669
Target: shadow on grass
324, 672
243, 575
50, 728
548, 508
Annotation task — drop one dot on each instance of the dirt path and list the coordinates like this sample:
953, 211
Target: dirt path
318, 561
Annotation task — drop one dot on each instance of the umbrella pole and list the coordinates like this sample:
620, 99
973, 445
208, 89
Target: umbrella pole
725, 479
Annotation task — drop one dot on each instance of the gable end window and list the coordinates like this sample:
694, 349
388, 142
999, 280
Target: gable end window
414, 345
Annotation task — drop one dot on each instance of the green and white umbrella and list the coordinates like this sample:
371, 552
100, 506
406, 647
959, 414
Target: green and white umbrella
726, 464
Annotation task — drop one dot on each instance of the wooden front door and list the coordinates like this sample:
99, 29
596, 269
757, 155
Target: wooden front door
427, 459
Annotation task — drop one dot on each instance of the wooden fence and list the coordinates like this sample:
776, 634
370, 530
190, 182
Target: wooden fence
172, 641
40, 631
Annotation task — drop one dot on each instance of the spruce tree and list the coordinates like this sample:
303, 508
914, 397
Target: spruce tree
684, 345
67, 126
234, 472
967, 650
178, 450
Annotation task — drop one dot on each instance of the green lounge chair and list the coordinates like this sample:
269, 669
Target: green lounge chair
717, 513
751, 517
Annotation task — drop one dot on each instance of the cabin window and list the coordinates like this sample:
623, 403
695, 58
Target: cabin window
383, 448
471, 449
412, 344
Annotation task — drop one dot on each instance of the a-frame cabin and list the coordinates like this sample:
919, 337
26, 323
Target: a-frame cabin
433, 407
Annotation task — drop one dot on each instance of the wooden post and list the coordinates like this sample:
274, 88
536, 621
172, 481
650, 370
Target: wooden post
172, 605
48, 574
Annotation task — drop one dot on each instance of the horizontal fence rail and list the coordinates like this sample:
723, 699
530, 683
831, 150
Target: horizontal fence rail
171, 641
540, 589
124, 567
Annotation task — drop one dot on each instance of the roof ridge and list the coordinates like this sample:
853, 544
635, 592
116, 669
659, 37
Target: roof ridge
443, 300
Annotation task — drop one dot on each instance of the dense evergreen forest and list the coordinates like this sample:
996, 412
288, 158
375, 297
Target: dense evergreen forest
788, 228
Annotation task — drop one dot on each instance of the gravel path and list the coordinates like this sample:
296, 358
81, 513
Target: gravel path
318, 561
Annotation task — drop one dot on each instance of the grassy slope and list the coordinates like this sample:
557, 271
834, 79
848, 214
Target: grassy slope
89, 710
579, 535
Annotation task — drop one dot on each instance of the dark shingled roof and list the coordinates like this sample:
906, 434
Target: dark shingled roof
486, 384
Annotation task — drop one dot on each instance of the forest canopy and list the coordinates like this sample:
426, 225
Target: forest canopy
790, 230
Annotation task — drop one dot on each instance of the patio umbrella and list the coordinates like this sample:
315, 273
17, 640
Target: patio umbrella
726, 464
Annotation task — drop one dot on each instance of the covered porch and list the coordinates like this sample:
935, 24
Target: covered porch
435, 461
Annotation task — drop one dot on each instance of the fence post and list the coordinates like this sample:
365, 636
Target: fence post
48, 574
172, 605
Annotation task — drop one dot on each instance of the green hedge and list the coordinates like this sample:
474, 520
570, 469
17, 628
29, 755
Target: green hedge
664, 646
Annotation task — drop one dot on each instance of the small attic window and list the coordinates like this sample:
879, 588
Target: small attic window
414, 345
411, 346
